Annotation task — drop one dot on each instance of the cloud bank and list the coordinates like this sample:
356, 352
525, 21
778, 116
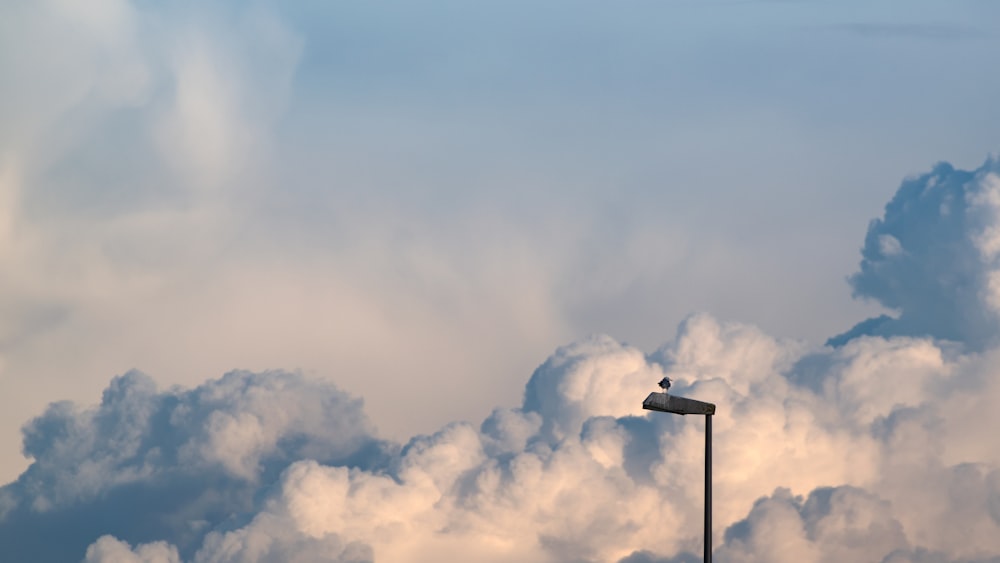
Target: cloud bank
880, 448
174, 463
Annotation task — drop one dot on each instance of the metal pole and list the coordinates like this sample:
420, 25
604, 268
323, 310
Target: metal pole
708, 488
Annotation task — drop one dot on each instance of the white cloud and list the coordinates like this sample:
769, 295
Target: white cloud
840, 524
187, 461
552, 484
271, 539
878, 449
889, 246
129, 130
110, 550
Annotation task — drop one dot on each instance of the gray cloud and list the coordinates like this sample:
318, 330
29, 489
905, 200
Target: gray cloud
934, 257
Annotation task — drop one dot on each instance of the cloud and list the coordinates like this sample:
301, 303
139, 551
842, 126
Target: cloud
143, 200
241, 171
933, 258
878, 449
590, 481
830, 525
124, 129
176, 463
864, 451
107, 548
271, 540
842, 524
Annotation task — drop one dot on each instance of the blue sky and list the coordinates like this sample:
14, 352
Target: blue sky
429, 198
802, 117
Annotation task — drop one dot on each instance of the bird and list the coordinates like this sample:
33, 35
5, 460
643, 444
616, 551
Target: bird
664, 383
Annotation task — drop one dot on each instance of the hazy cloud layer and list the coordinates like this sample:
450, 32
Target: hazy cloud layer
879, 449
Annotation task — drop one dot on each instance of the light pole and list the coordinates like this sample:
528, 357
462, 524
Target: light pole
665, 402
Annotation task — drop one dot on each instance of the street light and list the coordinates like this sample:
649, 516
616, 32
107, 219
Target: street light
665, 402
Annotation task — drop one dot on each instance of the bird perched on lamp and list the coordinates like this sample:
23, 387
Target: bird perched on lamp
664, 384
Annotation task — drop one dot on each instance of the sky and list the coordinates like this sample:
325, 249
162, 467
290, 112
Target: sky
349, 281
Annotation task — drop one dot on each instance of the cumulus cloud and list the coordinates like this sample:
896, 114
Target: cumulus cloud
144, 198
878, 447
803, 473
863, 451
126, 126
108, 548
135, 138
148, 464
858, 475
934, 258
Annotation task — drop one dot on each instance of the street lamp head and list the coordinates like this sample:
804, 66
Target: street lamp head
664, 402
